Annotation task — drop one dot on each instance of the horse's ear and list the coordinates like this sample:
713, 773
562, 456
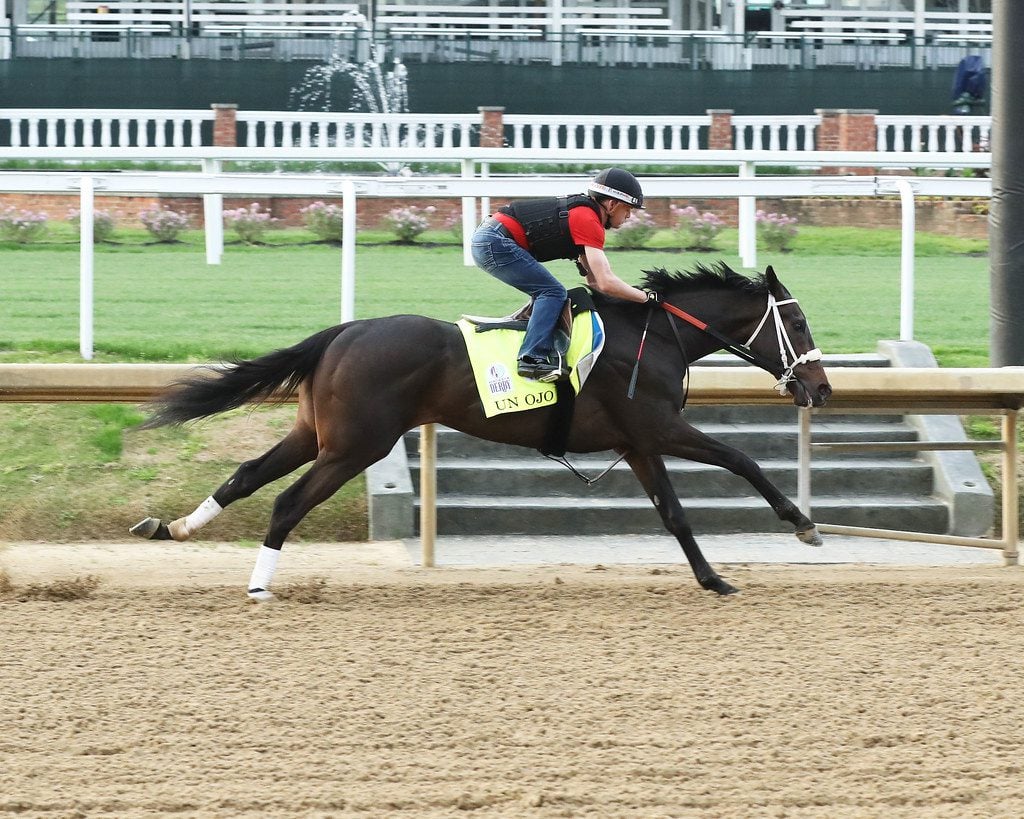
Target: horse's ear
772, 281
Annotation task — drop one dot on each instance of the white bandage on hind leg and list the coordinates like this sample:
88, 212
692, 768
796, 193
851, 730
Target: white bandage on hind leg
266, 565
184, 528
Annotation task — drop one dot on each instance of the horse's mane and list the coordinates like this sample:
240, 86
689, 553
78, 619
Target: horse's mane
716, 277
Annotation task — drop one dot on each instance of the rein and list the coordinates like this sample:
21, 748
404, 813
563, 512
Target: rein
743, 350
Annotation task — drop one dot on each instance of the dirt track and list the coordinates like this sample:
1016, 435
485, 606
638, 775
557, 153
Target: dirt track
560, 691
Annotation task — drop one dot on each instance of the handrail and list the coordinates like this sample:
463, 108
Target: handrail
965, 388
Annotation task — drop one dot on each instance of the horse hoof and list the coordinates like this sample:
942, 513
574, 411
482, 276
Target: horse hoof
810, 536
260, 595
719, 586
146, 528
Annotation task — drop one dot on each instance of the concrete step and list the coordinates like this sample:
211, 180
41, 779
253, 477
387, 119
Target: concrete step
476, 515
758, 440
502, 478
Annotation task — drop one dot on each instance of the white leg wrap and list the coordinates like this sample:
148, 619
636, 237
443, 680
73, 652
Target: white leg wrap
263, 572
184, 528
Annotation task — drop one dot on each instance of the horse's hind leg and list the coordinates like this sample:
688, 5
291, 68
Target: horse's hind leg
650, 470
294, 450
327, 475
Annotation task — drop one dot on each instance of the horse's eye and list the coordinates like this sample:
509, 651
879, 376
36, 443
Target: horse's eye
800, 326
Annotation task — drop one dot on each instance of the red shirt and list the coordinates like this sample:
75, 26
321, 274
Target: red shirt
585, 228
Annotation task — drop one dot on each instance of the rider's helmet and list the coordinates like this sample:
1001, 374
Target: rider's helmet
618, 184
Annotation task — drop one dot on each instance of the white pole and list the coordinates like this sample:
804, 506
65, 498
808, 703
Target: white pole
213, 217
906, 260
86, 212
469, 220
348, 251
748, 221
485, 201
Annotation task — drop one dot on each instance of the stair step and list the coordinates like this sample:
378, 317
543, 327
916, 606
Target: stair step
757, 440
473, 515
508, 477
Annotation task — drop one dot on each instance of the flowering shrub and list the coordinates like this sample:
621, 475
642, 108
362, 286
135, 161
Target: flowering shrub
409, 222
776, 230
637, 230
163, 225
454, 224
21, 226
249, 223
324, 220
102, 224
695, 229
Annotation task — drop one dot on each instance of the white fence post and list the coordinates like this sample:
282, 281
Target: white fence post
469, 220
213, 217
86, 212
906, 260
348, 251
748, 221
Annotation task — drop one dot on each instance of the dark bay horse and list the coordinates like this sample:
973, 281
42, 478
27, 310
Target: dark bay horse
363, 384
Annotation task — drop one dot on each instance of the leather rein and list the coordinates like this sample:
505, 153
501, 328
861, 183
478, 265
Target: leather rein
787, 355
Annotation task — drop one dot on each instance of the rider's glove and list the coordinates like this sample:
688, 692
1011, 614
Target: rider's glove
582, 270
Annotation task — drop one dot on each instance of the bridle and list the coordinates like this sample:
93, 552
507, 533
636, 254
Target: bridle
785, 345
743, 350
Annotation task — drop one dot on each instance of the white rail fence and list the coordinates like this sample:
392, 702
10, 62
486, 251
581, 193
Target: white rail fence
143, 128
474, 193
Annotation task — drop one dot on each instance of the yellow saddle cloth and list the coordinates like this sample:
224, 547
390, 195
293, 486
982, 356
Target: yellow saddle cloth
493, 355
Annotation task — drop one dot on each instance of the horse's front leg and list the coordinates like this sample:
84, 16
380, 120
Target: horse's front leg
651, 472
690, 443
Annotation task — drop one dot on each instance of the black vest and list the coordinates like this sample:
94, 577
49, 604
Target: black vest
546, 223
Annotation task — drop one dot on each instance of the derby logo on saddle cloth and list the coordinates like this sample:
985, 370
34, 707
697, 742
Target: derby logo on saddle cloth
492, 355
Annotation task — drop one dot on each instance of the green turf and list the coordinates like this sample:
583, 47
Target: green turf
163, 302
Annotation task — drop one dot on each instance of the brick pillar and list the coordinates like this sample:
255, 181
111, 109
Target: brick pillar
720, 132
844, 129
225, 130
492, 126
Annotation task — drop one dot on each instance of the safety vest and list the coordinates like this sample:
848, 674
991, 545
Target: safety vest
546, 224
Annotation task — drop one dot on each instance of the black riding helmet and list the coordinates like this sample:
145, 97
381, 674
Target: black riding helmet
618, 184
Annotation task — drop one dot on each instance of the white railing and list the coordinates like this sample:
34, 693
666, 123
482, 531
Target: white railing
354, 130
775, 133
669, 133
286, 130
933, 133
105, 128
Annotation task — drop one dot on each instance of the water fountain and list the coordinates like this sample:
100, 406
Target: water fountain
374, 91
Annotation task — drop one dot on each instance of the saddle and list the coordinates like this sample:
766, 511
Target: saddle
577, 301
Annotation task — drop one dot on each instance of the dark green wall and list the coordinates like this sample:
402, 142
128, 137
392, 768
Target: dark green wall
460, 88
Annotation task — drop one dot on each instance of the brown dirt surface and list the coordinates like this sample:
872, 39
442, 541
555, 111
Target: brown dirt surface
375, 688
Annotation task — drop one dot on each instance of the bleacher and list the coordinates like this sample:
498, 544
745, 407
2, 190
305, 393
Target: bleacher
887, 26
648, 33
214, 16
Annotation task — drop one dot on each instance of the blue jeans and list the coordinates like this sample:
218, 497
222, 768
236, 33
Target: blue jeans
508, 262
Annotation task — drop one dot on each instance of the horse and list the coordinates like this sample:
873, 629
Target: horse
363, 384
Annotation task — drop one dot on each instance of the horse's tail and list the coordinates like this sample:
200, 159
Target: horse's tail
241, 382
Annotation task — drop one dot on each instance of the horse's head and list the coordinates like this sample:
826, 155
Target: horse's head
780, 335
755, 318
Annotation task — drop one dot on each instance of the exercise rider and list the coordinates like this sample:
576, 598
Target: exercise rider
512, 243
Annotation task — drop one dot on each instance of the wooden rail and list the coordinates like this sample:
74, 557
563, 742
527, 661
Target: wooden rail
896, 390
956, 390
